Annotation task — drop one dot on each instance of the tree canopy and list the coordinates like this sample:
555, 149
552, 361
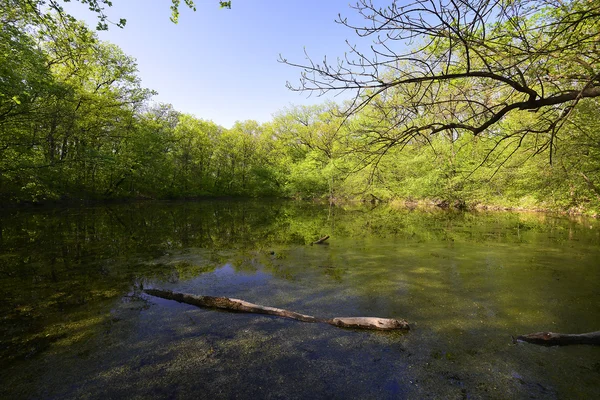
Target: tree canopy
464, 65
451, 108
46, 11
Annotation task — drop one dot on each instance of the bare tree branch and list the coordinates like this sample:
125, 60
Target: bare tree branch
451, 66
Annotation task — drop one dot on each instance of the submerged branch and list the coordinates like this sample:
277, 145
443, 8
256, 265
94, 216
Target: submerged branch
560, 339
225, 303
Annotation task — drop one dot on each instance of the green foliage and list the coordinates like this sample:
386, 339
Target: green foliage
52, 13
76, 123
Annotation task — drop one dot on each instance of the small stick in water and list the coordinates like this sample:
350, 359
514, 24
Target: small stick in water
321, 241
560, 339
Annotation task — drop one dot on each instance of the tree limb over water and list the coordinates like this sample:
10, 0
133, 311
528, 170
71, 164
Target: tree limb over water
225, 303
451, 67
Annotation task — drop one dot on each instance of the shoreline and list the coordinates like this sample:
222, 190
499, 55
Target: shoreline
398, 203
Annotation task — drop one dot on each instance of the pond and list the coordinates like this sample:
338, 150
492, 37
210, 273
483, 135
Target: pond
77, 324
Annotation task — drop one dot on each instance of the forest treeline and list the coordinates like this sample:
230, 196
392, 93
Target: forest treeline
76, 123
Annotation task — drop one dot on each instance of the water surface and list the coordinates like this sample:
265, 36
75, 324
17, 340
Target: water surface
76, 324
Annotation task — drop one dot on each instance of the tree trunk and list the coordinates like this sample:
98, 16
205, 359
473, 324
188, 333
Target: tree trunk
226, 303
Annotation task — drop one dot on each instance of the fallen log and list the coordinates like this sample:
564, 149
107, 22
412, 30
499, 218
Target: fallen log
560, 339
320, 241
225, 303
383, 324
237, 305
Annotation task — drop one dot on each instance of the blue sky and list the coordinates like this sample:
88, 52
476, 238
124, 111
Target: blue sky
220, 64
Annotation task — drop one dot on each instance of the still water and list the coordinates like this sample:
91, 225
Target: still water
76, 324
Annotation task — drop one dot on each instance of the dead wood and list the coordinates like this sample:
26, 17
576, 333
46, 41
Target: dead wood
560, 339
225, 303
383, 324
320, 241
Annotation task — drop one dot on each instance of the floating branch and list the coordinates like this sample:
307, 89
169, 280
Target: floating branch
560, 339
225, 303
320, 241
